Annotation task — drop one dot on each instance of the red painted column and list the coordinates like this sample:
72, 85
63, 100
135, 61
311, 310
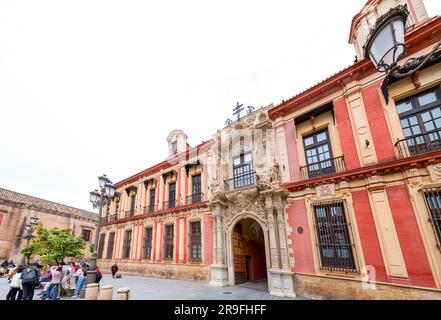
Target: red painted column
208, 239
377, 122
345, 133
368, 235
414, 253
300, 243
185, 240
161, 249
178, 230
291, 147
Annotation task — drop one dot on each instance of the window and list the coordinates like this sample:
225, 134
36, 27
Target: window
195, 241
132, 205
174, 148
318, 154
101, 245
86, 235
433, 201
172, 195
116, 209
420, 118
243, 171
110, 244
168, 241
196, 189
127, 244
333, 239
152, 196
148, 243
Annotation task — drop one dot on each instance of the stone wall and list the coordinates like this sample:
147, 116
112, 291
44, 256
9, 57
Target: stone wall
160, 270
329, 288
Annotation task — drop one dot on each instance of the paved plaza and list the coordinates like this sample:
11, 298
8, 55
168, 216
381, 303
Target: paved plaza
145, 288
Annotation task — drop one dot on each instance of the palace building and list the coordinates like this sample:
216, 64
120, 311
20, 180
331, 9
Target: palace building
159, 222
363, 173
334, 193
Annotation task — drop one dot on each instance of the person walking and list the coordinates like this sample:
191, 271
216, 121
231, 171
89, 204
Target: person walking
15, 286
99, 275
52, 291
82, 277
114, 270
30, 280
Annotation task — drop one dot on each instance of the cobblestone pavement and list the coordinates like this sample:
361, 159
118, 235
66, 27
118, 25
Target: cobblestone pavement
144, 288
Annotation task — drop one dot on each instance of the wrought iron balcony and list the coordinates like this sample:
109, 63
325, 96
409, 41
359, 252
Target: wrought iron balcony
129, 213
419, 144
195, 198
112, 217
242, 181
169, 204
150, 209
322, 168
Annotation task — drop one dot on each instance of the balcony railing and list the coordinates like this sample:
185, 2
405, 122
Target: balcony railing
150, 209
169, 204
242, 181
195, 198
322, 168
419, 144
129, 213
112, 217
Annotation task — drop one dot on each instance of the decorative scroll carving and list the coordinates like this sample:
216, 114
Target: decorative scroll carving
243, 203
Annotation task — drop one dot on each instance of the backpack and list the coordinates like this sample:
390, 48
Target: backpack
29, 276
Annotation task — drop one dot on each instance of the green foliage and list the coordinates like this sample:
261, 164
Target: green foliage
54, 245
92, 247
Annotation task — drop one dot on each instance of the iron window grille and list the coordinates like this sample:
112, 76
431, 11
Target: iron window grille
333, 237
420, 118
152, 199
132, 205
243, 174
101, 245
168, 241
433, 203
127, 244
171, 196
195, 241
110, 244
148, 238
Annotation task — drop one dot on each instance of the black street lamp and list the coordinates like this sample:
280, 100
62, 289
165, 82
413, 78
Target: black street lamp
386, 46
98, 199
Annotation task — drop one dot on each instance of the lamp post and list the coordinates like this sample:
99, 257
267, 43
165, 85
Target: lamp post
30, 228
98, 199
385, 46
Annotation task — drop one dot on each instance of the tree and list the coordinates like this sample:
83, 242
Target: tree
54, 245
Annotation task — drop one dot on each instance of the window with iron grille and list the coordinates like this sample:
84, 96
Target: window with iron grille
86, 235
101, 245
333, 240
110, 244
168, 241
420, 117
195, 240
196, 189
148, 237
318, 154
433, 201
127, 244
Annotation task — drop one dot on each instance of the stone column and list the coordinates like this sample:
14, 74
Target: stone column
274, 250
284, 257
219, 270
220, 256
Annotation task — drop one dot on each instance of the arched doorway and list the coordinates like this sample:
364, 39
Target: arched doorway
249, 257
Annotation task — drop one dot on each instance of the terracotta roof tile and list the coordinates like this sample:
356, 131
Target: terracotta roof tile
44, 205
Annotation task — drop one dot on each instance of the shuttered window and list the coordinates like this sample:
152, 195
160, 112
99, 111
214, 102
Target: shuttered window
110, 244
195, 241
148, 237
168, 241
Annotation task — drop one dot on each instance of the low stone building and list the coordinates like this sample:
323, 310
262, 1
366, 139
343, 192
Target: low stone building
16, 211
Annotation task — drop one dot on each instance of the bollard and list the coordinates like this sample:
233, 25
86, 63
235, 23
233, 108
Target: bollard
123, 294
106, 293
91, 291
